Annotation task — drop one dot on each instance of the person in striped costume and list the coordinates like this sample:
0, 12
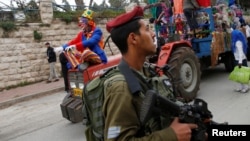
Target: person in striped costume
88, 45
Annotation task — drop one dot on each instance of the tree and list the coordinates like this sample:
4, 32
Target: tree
66, 7
21, 4
134, 1
117, 3
104, 4
90, 3
79, 4
32, 5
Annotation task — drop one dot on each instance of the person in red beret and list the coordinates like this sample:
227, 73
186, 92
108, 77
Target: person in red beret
135, 40
88, 45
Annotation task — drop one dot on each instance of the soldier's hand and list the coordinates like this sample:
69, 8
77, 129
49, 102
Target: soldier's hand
183, 131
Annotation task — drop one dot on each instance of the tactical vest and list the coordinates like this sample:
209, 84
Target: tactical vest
93, 97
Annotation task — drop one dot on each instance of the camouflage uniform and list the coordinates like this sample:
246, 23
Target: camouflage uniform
122, 121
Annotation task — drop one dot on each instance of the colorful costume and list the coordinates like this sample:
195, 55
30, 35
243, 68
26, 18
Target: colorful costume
88, 43
239, 49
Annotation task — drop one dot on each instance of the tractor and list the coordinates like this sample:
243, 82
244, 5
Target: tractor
185, 59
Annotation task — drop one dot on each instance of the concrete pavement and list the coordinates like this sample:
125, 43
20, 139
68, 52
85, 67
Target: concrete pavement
19, 94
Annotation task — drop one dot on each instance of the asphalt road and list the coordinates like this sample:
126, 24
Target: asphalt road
40, 119
224, 103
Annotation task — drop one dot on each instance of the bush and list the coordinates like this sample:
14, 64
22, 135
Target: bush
37, 36
72, 16
68, 17
8, 26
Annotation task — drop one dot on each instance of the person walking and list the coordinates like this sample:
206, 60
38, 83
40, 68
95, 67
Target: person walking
64, 69
51, 56
239, 49
248, 40
121, 104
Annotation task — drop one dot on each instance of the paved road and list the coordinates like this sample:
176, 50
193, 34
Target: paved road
40, 119
225, 104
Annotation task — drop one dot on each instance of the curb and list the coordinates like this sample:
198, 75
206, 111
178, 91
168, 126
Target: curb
13, 101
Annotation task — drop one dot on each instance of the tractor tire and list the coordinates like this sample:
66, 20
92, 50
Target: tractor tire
185, 69
229, 62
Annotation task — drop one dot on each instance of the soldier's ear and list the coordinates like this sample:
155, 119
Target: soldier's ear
132, 38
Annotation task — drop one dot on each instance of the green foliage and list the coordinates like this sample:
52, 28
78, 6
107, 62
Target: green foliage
71, 16
117, 3
108, 13
8, 26
32, 5
37, 35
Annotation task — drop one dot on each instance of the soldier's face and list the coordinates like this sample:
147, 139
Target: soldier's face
147, 37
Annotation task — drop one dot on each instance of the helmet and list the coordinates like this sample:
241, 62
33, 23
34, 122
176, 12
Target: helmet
88, 14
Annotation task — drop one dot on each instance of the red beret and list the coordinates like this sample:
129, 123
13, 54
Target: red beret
124, 18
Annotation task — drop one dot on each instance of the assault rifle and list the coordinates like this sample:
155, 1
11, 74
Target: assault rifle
155, 104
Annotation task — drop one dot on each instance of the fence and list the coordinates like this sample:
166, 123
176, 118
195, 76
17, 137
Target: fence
33, 15
15, 14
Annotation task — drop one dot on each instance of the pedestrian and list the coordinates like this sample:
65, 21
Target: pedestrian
51, 56
239, 49
122, 105
190, 8
88, 42
248, 40
64, 69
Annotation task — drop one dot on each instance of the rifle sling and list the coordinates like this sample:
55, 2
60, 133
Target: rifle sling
130, 78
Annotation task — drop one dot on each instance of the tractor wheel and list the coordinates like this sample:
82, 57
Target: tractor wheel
185, 69
229, 62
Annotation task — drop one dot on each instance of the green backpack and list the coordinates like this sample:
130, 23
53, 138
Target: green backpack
93, 98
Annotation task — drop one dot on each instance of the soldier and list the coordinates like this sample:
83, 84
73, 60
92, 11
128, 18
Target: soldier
135, 40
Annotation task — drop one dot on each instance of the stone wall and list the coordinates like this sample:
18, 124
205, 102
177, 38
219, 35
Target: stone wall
23, 60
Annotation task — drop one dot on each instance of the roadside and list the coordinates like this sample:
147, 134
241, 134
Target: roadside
19, 94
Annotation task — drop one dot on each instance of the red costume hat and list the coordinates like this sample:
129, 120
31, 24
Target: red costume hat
125, 18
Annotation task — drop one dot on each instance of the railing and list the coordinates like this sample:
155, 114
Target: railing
33, 15
57, 7
15, 14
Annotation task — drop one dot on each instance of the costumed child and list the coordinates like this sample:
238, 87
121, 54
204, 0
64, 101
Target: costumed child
239, 48
87, 46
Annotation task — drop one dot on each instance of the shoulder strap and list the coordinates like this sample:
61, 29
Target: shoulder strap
134, 85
